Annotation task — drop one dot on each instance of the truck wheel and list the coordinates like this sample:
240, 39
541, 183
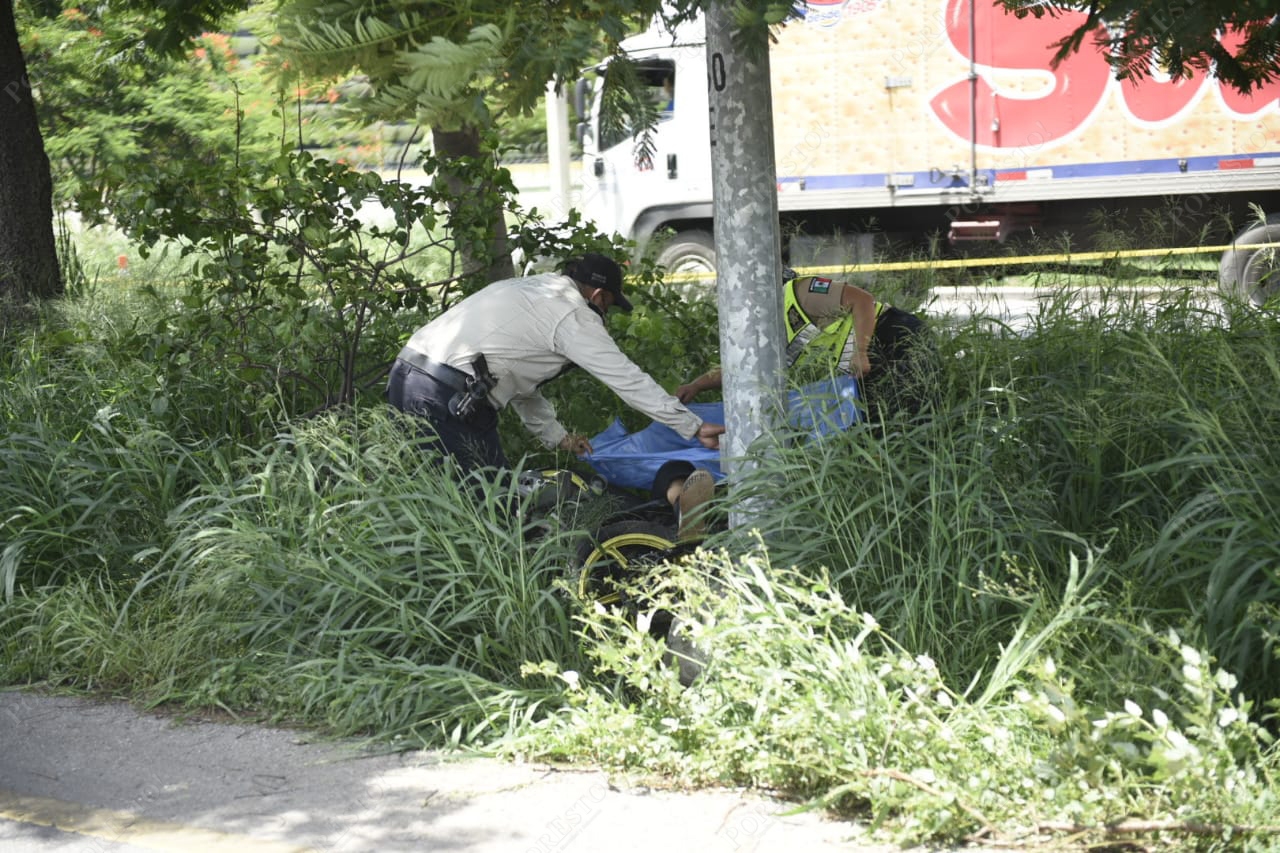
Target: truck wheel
693, 254
1248, 274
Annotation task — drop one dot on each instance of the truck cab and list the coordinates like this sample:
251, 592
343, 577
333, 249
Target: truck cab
636, 183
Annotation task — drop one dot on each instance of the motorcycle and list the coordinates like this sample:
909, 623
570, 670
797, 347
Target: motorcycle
620, 553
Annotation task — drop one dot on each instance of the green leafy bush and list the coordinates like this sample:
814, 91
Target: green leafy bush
801, 692
293, 291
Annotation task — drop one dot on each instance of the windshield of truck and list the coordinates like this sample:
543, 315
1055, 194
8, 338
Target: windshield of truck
635, 96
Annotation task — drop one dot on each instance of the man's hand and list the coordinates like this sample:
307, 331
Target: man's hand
709, 435
861, 365
711, 379
576, 444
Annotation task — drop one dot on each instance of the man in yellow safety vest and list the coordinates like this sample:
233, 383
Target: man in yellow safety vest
838, 326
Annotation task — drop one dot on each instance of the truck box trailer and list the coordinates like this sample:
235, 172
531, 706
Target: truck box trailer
909, 121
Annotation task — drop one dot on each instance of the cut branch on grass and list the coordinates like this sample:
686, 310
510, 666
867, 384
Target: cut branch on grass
988, 828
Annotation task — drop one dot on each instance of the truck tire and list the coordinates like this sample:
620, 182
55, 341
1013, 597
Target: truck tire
690, 253
1252, 275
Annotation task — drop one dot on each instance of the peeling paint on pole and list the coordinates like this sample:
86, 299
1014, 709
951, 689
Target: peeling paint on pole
748, 254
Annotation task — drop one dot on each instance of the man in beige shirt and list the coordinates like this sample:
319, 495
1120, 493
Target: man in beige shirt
498, 346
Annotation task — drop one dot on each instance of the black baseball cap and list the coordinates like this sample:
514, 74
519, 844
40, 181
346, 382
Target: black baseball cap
595, 270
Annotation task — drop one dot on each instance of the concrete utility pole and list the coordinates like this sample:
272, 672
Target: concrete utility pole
748, 250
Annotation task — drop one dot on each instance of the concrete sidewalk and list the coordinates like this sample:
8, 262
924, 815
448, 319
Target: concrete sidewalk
77, 774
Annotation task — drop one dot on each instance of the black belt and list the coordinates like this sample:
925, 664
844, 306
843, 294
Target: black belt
445, 374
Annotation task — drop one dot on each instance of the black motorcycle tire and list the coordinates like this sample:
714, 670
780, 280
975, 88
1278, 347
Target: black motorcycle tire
611, 564
621, 553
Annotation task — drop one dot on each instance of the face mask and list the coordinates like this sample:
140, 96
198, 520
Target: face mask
598, 308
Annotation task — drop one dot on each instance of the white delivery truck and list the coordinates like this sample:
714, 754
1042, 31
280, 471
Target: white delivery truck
906, 120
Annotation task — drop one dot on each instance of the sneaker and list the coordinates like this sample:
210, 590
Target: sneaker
696, 491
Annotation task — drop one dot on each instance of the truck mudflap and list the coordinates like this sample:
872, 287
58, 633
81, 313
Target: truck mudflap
996, 225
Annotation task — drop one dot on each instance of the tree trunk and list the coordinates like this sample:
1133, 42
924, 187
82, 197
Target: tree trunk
492, 259
28, 252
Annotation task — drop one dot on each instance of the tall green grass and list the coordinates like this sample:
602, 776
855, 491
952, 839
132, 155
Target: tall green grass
332, 575
93, 456
337, 576
1142, 439
389, 596
941, 622
1048, 608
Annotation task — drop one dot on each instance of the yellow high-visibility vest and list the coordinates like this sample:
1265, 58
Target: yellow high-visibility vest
837, 341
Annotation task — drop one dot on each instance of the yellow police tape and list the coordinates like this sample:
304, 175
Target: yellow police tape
958, 263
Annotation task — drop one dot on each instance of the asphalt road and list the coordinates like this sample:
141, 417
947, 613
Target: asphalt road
82, 775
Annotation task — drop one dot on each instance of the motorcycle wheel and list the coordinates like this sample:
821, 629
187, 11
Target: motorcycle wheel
619, 554
623, 553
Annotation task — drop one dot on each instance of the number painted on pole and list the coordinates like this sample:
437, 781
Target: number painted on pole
717, 72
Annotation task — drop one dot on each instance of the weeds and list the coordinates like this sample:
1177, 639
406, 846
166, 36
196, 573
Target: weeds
1051, 609
801, 692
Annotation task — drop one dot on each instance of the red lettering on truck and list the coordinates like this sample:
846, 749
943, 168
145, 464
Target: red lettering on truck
1056, 102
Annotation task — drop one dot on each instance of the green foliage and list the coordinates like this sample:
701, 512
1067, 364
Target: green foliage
110, 109
1139, 437
166, 26
627, 109
800, 691
97, 449
1181, 38
335, 575
904, 525
295, 290
452, 65
347, 556
1175, 406
953, 627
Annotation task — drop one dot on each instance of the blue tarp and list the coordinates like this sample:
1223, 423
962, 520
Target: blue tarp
630, 459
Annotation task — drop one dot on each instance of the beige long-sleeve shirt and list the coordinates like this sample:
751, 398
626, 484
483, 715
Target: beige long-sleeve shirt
529, 329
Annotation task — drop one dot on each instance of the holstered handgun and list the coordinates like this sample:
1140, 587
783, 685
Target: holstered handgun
472, 405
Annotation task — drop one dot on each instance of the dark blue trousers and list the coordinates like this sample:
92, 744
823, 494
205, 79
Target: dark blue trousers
473, 443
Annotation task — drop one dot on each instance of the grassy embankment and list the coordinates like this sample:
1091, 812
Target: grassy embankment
1052, 607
